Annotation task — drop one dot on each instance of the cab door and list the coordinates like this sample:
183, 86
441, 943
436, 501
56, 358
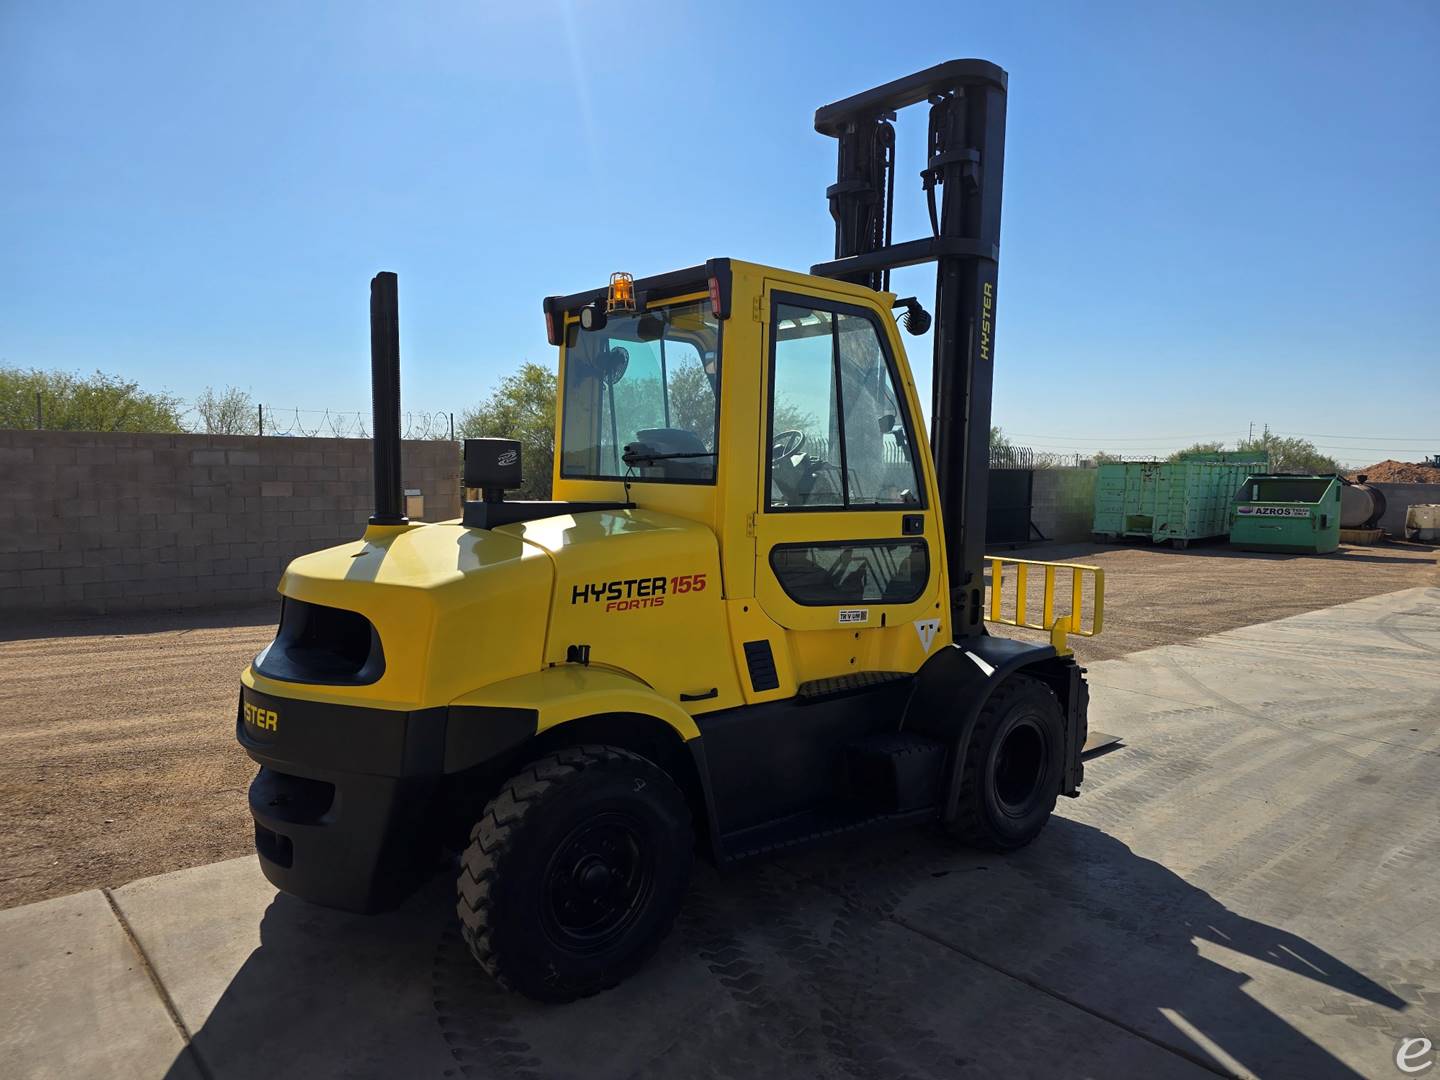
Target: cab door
849, 557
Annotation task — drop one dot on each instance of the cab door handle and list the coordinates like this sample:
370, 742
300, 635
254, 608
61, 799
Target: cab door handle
912, 525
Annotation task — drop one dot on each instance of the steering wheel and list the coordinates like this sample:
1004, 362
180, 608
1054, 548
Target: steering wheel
786, 444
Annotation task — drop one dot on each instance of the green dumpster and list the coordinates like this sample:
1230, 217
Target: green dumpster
1287, 513
1178, 501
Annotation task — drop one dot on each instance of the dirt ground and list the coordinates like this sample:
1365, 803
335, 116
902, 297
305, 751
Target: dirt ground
117, 737
117, 734
1156, 595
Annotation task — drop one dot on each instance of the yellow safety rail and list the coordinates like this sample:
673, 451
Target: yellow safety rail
1059, 627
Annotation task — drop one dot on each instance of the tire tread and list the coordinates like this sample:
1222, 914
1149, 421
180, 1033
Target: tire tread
970, 827
493, 838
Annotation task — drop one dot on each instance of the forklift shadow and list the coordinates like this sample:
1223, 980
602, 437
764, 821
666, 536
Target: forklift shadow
897, 954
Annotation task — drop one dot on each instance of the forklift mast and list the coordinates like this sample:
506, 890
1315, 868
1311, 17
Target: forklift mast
962, 181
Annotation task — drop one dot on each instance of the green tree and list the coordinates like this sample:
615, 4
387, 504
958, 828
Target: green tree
522, 407
70, 402
692, 402
1292, 455
226, 412
1197, 448
791, 417
999, 444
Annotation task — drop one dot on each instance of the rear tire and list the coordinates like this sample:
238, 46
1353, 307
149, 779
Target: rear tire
575, 872
1013, 767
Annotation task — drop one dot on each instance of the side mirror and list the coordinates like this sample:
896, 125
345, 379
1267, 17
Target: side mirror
887, 423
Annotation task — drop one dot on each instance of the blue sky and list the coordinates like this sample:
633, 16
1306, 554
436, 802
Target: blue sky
1214, 214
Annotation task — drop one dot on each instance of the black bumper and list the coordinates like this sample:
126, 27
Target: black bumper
349, 804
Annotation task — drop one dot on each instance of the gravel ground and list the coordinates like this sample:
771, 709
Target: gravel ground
117, 733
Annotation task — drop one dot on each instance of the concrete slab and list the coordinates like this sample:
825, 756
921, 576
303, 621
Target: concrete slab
76, 1000
1246, 888
270, 986
767, 975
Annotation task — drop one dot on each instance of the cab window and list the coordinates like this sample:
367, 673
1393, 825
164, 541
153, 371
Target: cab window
852, 572
839, 436
648, 382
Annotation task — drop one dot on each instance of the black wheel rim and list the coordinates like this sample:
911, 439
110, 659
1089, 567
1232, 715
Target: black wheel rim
597, 882
1019, 767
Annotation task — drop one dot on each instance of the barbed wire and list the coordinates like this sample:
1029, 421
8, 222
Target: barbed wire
1026, 457
323, 423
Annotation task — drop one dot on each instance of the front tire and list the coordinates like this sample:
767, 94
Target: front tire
575, 872
1012, 768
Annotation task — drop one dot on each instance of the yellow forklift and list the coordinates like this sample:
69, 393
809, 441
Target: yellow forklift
752, 617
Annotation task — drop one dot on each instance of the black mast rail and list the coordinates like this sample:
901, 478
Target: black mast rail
962, 182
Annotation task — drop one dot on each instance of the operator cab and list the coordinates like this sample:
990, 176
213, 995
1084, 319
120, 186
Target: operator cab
641, 401
777, 410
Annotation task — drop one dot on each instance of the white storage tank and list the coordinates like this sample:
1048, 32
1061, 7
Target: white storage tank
1422, 522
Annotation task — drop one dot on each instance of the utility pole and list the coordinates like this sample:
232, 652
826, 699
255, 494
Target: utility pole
452, 427
261, 413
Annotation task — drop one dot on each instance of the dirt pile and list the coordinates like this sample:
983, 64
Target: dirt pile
1400, 472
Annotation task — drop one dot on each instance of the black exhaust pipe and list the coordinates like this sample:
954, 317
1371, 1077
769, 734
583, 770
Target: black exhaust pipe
385, 397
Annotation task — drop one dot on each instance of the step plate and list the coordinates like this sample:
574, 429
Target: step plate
818, 689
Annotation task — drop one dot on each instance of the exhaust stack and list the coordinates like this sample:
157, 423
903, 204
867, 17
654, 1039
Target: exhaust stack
385, 397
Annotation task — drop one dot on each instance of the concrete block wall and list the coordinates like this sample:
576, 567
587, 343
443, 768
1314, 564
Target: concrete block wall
1399, 498
1063, 503
100, 522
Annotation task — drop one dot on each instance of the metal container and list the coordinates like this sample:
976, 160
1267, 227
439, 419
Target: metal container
1285, 512
1178, 501
1361, 506
1422, 522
